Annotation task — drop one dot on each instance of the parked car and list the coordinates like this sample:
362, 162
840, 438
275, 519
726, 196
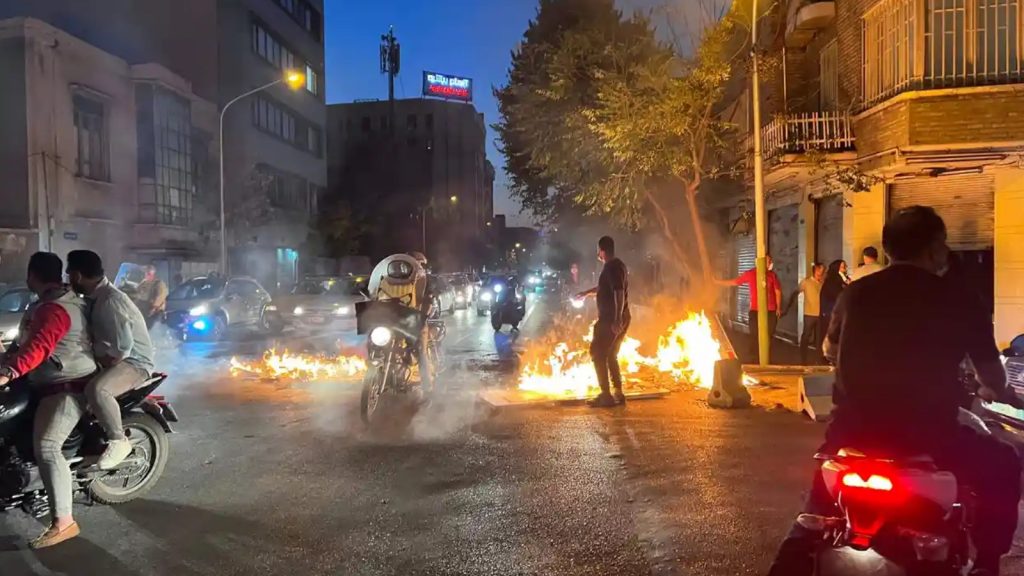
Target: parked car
208, 307
444, 294
322, 302
13, 303
464, 290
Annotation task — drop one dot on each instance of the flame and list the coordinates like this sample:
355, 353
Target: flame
687, 352
299, 366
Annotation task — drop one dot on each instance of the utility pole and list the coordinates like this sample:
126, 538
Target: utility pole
763, 334
390, 64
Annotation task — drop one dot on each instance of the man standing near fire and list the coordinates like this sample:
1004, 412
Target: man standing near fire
613, 318
774, 298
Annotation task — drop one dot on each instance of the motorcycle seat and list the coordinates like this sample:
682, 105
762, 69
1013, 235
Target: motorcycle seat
14, 401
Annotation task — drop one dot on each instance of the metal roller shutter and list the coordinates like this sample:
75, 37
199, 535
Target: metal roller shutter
744, 257
966, 203
829, 239
784, 246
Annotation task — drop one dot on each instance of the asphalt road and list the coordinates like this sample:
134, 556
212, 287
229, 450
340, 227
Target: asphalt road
282, 479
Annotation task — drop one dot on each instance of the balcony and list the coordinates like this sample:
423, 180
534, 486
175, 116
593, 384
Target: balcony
806, 18
800, 133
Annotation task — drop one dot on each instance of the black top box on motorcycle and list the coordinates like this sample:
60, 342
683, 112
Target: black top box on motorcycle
390, 314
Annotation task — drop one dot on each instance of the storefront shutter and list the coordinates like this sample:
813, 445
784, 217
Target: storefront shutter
966, 204
829, 238
745, 257
784, 246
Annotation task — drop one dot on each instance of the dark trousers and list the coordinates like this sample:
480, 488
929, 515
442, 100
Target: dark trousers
604, 350
753, 323
989, 466
809, 335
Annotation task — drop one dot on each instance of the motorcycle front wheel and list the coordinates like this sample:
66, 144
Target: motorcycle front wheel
374, 384
141, 470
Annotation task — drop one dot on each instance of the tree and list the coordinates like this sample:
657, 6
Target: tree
600, 114
339, 232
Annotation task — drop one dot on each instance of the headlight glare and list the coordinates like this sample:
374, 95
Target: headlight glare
380, 336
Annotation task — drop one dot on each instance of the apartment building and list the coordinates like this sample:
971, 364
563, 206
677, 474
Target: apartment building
99, 154
275, 168
881, 104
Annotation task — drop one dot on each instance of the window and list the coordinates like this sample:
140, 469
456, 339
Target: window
174, 176
430, 123
304, 14
366, 125
312, 81
962, 43
91, 139
278, 120
383, 123
829, 77
313, 140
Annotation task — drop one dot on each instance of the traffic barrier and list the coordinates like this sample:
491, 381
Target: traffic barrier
727, 390
815, 395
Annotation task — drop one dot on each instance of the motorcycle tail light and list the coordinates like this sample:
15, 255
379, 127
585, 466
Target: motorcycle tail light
875, 482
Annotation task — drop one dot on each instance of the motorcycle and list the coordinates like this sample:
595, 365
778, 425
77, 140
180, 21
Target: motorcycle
393, 349
147, 421
896, 517
509, 307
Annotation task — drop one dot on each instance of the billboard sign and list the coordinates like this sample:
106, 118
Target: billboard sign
447, 86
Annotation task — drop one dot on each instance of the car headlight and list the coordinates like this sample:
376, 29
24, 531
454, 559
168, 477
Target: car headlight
460, 298
271, 308
342, 311
199, 310
498, 288
380, 336
298, 311
486, 297
533, 280
10, 335
578, 303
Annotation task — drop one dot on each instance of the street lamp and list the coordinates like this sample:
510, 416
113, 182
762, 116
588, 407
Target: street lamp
291, 78
763, 334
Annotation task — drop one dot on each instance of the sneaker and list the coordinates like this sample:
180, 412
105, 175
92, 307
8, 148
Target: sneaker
116, 452
53, 536
620, 398
603, 400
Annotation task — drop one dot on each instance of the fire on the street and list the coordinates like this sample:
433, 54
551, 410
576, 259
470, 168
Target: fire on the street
275, 365
687, 352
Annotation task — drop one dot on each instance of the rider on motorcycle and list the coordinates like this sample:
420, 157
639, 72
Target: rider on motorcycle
898, 338
403, 278
55, 356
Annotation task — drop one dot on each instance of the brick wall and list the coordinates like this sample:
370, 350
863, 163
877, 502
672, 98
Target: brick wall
882, 130
992, 117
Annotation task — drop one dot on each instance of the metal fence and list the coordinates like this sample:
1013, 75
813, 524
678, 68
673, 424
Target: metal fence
914, 44
796, 133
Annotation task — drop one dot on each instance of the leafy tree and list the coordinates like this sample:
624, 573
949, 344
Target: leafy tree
601, 115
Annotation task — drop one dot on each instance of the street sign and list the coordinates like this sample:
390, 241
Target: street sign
447, 86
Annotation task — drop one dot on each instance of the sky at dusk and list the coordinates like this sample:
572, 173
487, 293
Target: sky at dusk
462, 37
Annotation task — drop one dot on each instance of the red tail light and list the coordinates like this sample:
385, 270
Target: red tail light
872, 482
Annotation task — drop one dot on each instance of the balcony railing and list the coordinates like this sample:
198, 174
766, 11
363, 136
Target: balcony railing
799, 133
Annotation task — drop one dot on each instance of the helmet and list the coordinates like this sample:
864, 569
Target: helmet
420, 257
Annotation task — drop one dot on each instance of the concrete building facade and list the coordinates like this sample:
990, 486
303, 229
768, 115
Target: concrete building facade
99, 154
427, 177
882, 104
274, 141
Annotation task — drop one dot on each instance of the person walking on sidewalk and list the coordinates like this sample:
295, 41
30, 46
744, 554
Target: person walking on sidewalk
613, 319
774, 298
810, 287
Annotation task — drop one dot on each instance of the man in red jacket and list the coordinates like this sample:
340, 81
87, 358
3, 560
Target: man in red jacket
55, 356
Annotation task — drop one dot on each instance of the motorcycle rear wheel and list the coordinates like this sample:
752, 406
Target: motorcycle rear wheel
150, 448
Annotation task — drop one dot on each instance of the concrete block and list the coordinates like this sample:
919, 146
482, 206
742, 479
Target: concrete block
728, 390
815, 395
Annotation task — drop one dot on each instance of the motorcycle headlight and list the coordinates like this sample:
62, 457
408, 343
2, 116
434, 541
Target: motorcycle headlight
380, 336
10, 335
298, 311
199, 310
342, 311
486, 297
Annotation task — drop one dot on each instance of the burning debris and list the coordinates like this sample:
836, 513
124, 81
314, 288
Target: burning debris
687, 352
285, 365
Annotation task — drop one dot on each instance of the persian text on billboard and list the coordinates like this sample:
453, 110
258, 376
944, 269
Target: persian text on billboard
445, 86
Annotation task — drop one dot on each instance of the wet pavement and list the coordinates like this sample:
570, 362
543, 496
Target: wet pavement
278, 479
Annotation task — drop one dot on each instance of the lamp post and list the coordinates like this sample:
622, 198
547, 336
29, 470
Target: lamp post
294, 80
763, 334
423, 218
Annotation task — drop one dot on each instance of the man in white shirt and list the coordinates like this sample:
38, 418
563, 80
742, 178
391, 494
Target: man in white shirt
869, 266
810, 287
